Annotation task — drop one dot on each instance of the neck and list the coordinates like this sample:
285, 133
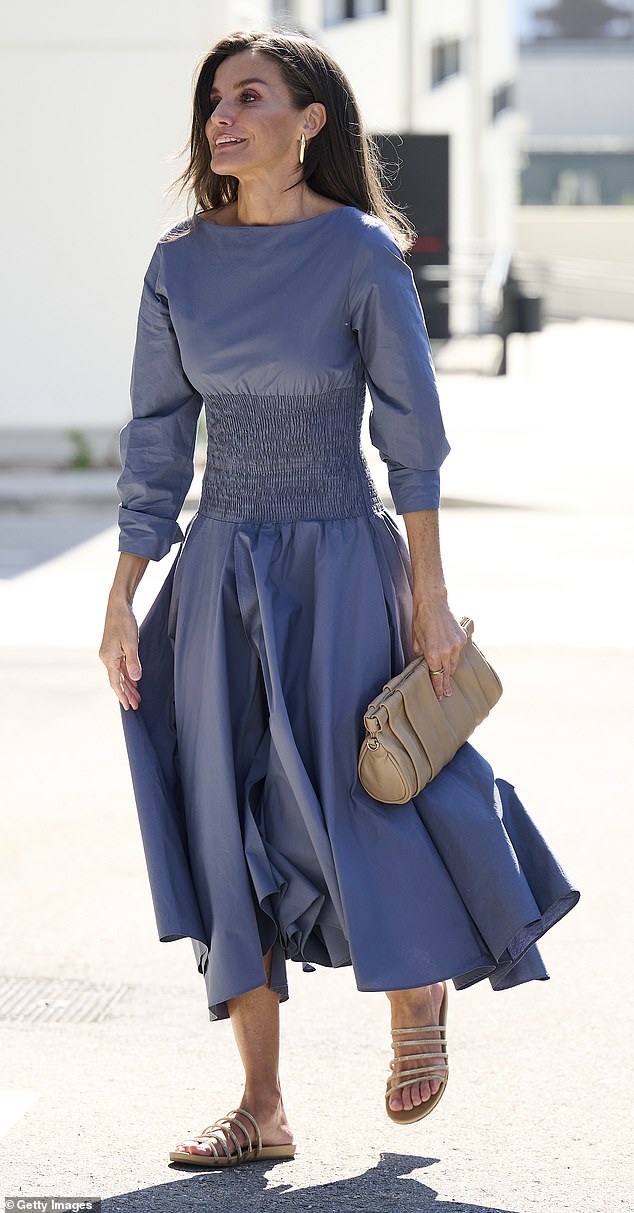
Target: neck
262, 203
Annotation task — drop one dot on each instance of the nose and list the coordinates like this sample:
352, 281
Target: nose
220, 115
218, 126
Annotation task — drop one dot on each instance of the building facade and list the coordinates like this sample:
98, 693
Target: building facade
96, 108
418, 67
576, 213
576, 89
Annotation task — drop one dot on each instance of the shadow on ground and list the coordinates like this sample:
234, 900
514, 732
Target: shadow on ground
31, 537
464, 503
32, 534
387, 1186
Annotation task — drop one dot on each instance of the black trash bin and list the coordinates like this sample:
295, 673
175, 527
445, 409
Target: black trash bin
528, 312
521, 312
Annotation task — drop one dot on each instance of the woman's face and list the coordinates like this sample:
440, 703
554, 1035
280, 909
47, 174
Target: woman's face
251, 103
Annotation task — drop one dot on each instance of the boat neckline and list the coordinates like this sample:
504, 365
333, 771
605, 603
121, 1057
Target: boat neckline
264, 227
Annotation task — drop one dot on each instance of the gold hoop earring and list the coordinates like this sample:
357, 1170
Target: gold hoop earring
302, 148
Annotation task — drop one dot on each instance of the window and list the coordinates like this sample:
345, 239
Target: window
575, 187
365, 8
346, 10
578, 179
503, 99
445, 61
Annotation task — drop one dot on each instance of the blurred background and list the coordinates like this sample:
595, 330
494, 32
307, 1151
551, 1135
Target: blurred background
511, 125
507, 130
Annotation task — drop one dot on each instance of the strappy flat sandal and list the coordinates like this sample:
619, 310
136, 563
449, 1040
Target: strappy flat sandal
436, 1066
213, 1135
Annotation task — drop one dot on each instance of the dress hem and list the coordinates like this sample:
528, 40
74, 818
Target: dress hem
521, 948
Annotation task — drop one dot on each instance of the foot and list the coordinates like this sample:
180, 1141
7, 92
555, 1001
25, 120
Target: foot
419, 1008
271, 1117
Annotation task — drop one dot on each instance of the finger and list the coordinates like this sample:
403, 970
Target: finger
114, 677
457, 650
128, 698
131, 657
451, 657
130, 691
123, 688
450, 662
436, 676
128, 685
441, 677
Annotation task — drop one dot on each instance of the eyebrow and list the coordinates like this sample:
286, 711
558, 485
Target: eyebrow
241, 83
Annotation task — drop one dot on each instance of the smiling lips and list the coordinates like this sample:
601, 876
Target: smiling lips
229, 142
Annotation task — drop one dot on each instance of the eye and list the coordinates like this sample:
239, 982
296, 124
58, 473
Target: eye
247, 92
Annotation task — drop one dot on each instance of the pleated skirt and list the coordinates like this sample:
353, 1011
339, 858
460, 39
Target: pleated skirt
260, 654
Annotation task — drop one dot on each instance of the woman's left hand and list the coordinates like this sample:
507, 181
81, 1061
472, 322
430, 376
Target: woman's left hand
438, 637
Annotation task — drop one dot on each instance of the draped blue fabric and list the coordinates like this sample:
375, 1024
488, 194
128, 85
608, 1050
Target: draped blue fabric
287, 606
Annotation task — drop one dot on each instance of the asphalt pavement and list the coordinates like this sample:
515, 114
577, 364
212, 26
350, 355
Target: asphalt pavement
108, 1056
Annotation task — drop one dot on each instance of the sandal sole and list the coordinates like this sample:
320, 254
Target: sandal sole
208, 1160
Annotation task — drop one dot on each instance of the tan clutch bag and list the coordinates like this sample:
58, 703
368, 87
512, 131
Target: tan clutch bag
411, 735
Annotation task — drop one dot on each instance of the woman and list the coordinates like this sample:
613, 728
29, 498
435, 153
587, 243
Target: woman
293, 599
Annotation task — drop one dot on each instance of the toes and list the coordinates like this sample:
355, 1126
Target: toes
193, 1147
418, 1093
414, 1095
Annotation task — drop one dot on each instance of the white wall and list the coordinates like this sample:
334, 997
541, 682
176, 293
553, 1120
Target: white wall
93, 100
578, 92
484, 163
584, 257
370, 51
390, 71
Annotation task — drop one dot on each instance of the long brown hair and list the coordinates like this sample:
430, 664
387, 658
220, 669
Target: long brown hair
342, 161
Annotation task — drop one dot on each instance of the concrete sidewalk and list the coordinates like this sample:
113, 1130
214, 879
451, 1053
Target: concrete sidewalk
517, 1130
537, 545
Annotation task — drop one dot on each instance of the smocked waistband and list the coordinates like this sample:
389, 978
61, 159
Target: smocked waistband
272, 458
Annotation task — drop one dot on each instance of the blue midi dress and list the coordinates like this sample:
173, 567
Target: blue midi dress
287, 606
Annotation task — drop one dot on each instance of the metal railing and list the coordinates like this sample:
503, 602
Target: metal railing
570, 287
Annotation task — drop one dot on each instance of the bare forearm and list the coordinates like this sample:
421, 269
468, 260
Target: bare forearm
424, 548
129, 572
436, 634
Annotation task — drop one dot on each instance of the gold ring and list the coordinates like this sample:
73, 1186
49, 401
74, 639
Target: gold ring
434, 673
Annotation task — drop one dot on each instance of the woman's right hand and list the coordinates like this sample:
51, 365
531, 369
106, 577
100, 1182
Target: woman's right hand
120, 645
119, 652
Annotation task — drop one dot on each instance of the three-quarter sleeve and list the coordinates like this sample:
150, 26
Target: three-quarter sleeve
405, 421
157, 445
